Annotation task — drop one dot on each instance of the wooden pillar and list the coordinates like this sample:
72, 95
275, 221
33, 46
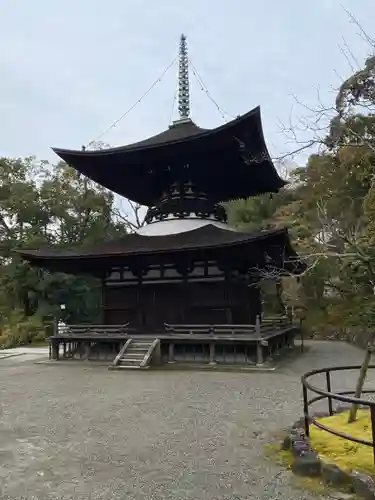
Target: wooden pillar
184, 300
256, 298
55, 348
54, 342
212, 353
259, 354
139, 303
291, 337
87, 352
257, 325
102, 305
270, 351
289, 340
228, 298
171, 353
259, 344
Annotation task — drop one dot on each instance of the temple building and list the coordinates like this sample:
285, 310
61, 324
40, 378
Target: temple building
185, 286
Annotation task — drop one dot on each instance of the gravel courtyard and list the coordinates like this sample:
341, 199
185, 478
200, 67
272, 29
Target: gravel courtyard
83, 432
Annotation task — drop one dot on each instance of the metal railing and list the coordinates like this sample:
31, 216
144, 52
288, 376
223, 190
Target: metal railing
341, 396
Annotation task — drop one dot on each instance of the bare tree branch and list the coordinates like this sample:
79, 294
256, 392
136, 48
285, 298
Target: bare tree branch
364, 35
133, 220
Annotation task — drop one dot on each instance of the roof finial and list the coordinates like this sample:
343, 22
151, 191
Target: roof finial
183, 80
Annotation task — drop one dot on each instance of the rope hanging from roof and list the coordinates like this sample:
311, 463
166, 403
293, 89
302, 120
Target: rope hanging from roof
115, 123
173, 105
183, 92
204, 89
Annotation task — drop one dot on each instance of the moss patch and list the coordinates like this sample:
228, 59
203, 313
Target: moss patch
284, 458
345, 454
313, 485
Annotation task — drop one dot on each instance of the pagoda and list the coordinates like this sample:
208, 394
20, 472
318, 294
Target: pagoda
186, 277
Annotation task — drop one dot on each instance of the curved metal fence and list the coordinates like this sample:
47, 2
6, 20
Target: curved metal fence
340, 396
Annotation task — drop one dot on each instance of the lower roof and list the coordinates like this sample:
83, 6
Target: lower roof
204, 237
135, 246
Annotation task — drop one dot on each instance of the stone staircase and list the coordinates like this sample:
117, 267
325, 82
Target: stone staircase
135, 354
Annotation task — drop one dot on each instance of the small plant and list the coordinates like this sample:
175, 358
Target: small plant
16, 329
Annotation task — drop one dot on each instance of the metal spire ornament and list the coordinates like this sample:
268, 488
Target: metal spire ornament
183, 80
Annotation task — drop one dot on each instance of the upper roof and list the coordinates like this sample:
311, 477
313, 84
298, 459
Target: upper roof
230, 161
135, 246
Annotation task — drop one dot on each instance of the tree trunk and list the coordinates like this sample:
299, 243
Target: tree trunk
361, 380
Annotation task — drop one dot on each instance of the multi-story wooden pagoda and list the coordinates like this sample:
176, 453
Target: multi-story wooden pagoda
186, 278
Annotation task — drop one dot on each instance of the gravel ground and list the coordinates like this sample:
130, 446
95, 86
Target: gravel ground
83, 432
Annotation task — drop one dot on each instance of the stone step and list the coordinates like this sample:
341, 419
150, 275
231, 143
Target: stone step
127, 367
131, 354
130, 360
134, 355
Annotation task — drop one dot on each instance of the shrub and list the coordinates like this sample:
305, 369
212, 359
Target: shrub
16, 329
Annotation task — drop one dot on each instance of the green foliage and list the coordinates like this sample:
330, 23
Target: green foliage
42, 204
16, 329
329, 210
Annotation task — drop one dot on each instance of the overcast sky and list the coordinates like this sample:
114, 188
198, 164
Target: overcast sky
69, 68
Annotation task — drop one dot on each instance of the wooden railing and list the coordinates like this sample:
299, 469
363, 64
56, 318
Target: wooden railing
146, 360
260, 326
121, 352
209, 329
264, 335
91, 330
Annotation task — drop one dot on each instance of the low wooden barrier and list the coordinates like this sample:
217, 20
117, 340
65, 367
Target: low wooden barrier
209, 329
273, 334
74, 337
261, 341
91, 330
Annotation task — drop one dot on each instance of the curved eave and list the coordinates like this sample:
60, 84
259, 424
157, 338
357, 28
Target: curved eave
120, 252
126, 170
206, 237
253, 116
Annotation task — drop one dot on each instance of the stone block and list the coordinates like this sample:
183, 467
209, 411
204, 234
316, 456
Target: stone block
292, 436
307, 465
333, 475
300, 448
297, 434
287, 443
300, 424
363, 485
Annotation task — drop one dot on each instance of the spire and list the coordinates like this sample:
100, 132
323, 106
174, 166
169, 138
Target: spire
183, 80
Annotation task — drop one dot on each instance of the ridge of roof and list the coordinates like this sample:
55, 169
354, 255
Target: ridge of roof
157, 140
